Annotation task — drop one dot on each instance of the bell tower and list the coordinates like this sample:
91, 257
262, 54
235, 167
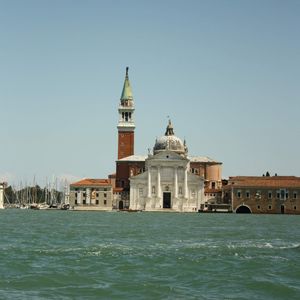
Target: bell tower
126, 124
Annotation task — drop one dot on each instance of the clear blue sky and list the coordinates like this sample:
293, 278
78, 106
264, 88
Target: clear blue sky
226, 72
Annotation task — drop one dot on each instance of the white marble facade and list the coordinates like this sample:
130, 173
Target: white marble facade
167, 183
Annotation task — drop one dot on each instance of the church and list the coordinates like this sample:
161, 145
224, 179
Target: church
166, 179
167, 182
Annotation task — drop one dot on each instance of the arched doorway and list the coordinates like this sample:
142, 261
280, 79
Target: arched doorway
243, 209
121, 205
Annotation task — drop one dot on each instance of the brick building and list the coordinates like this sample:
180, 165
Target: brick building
265, 194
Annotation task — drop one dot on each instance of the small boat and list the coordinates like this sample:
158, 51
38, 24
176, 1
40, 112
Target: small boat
65, 207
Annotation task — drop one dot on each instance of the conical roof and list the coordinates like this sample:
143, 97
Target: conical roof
127, 92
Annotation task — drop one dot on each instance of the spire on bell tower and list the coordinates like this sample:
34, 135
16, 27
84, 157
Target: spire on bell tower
127, 92
126, 123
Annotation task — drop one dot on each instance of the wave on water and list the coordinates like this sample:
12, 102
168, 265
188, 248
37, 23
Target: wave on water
264, 245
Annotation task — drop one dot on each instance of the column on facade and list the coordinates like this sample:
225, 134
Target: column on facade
1, 196
149, 182
158, 183
186, 192
175, 182
132, 202
88, 196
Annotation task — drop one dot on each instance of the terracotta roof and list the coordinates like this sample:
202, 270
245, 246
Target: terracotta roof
118, 190
91, 181
263, 181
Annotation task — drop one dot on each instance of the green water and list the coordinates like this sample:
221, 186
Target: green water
98, 255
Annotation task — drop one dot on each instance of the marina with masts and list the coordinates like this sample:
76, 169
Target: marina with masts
54, 195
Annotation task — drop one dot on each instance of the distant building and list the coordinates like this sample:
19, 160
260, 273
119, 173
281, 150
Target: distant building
129, 165
91, 194
266, 194
167, 182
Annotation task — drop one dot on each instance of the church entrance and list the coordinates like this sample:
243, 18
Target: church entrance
167, 200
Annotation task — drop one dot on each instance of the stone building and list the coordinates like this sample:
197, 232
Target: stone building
91, 194
265, 194
2, 187
167, 182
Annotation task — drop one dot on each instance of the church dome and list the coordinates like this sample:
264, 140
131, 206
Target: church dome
170, 142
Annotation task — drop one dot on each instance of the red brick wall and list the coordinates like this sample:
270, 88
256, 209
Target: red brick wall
125, 144
124, 170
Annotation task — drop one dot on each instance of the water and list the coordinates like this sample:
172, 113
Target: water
98, 255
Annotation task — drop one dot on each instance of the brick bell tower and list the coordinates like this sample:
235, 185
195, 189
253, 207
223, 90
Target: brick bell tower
126, 124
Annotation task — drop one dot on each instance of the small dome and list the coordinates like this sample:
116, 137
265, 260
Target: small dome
170, 142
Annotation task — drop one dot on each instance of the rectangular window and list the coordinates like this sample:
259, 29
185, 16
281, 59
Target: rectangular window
239, 194
295, 195
247, 194
105, 202
97, 194
278, 195
287, 195
213, 185
282, 194
84, 194
295, 207
105, 189
258, 206
270, 206
269, 195
75, 195
76, 201
104, 195
83, 201
97, 202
